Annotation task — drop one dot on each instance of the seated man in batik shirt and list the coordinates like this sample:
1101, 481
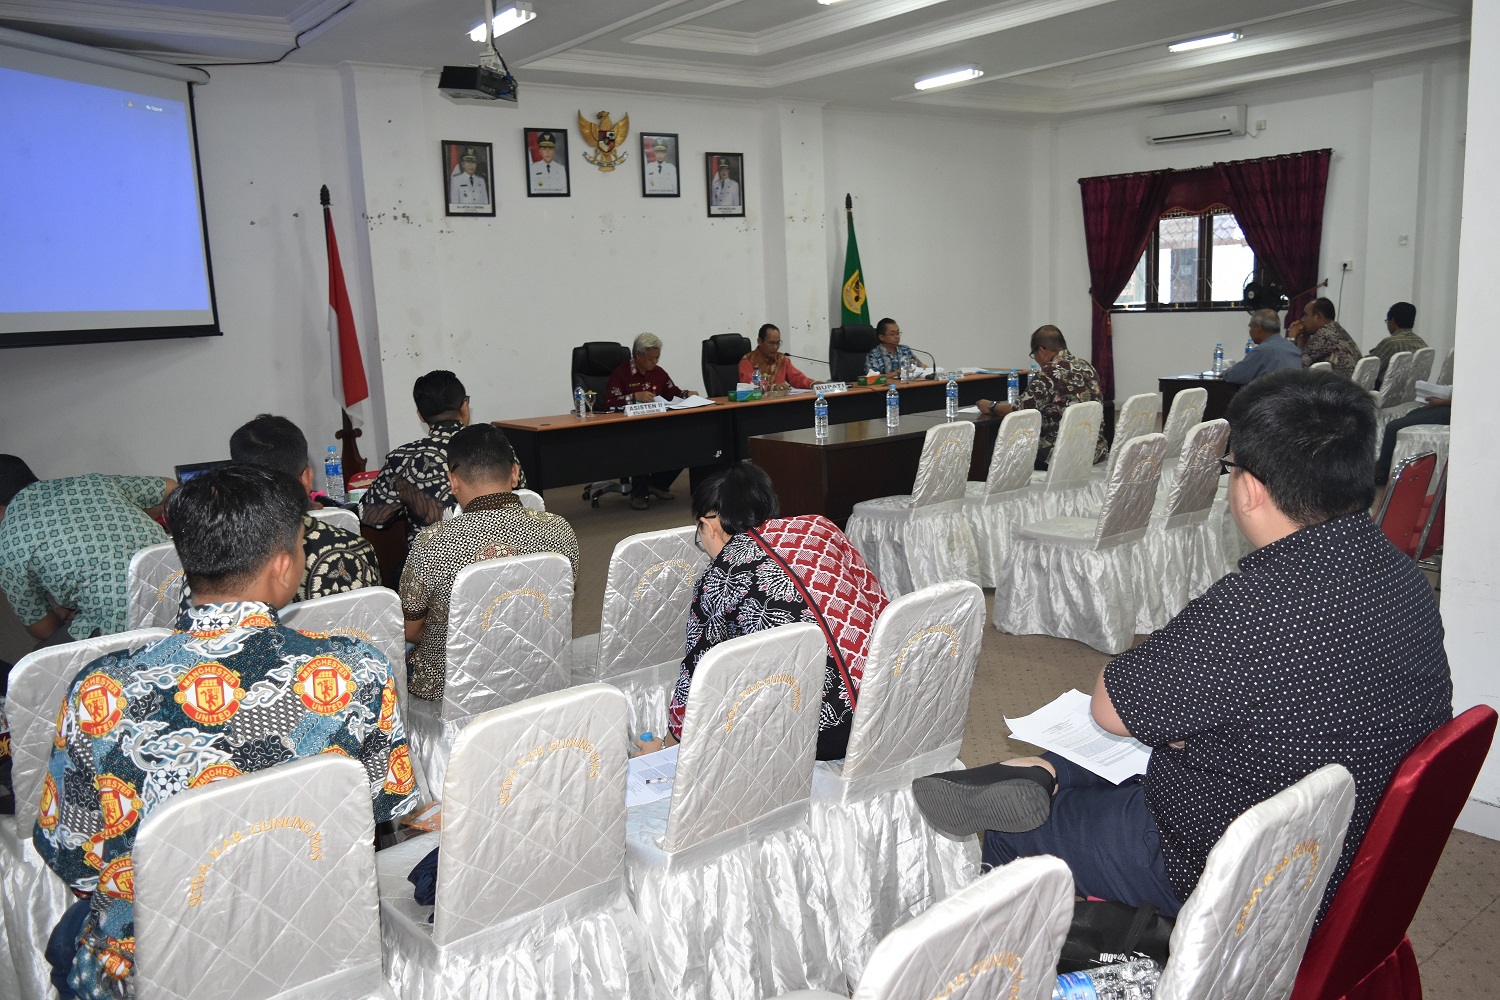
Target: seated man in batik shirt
232, 691
889, 356
1063, 379
1322, 339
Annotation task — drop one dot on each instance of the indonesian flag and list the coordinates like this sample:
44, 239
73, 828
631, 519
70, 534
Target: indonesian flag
349, 385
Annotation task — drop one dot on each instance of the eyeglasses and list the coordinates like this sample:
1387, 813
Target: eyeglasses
698, 532
1225, 465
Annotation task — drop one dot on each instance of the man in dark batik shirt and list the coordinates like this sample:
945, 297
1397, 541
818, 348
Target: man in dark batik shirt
415, 477
1063, 379
1322, 339
336, 560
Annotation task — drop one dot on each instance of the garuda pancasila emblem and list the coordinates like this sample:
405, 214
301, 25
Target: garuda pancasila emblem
606, 137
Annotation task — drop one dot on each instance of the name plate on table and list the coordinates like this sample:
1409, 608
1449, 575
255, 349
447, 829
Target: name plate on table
642, 409
828, 388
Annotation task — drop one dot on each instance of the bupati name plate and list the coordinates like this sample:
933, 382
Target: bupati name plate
642, 409
827, 388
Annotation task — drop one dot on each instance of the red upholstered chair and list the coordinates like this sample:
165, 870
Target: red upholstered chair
1402, 509
1361, 951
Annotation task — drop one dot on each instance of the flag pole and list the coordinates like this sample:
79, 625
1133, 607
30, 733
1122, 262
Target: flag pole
353, 462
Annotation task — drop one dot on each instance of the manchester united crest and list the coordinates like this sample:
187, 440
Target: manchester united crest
325, 684
399, 779
256, 620
101, 702
118, 878
214, 772
118, 803
209, 694
607, 138
47, 812
387, 717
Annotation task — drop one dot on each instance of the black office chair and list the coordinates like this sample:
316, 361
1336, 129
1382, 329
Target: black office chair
721, 362
847, 347
593, 364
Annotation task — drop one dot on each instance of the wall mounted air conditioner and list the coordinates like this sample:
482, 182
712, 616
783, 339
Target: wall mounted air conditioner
1209, 123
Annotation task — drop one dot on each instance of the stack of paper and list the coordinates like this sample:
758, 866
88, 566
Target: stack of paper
649, 776
1431, 390
686, 403
1067, 728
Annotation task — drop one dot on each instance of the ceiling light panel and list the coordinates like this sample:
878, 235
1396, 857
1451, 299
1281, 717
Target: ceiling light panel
945, 79
508, 19
1203, 43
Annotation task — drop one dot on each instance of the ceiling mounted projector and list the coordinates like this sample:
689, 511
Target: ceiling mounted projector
480, 84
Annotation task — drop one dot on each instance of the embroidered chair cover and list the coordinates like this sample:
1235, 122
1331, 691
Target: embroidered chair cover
921, 539
1139, 415
1418, 440
33, 898
1366, 371
725, 876
1320, 366
885, 861
339, 517
1186, 412
1421, 371
1005, 500
530, 888
531, 500
153, 587
261, 886
1074, 577
1065, 489
1183, 553
638, 647
1445, 373
373, 615
1241, 934
509, 622
1391, 399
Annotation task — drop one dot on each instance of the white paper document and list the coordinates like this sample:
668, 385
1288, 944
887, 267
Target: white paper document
968, 409
649, 777
1429, 390
1066, 726
686, 403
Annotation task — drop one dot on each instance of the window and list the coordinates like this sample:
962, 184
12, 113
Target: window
1193, 261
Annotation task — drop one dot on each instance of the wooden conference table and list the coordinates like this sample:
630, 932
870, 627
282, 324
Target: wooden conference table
564, 450
1219, 392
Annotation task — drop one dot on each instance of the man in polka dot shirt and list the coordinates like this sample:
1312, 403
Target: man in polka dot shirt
1326, 647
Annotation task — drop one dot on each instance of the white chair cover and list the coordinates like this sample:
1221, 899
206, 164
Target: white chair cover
1445, 373
1396, 396
921, 539
1187, 411
261, 886
531, 500
1005, 500
32, 896
1419, 440
885, 861
1183, 553
1366, 371
638, 648
153, 587
1320, 366
1074, 577
1421, 370
1241, 934
1066, 489
530, 889
1138, 416
509, 623
339, 517
726, 876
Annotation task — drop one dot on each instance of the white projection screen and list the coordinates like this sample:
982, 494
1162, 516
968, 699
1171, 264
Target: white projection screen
101, 209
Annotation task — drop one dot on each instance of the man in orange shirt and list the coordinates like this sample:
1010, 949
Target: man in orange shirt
776, 369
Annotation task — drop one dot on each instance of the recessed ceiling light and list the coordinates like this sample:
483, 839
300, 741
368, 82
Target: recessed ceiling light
1203, 43
829, 3
507, 20
957, 76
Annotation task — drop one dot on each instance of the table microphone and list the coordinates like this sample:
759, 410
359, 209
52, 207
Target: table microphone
801, 358
915, 350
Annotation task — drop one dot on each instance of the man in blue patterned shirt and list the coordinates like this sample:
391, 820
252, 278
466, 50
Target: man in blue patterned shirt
233, 691
889, 356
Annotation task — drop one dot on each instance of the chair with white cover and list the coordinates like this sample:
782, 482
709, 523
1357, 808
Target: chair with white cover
1186, 412
531, 500
32, 896
725, 875
999, 937
509, 624
1366, 371
885, 861
290, 911
1066, 488
1241, 934
1320, 366
1138, 416
638, 648
915, 540
1421, 370
1445, 373
530, 896
339, 517
1005, 500
1183, 552
1074, 577
154, 584
1392, 398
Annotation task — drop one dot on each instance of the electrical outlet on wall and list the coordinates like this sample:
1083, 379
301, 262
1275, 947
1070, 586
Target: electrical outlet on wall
1347, 266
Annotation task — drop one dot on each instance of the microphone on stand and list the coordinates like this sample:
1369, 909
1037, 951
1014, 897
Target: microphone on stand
801, 358
929, 358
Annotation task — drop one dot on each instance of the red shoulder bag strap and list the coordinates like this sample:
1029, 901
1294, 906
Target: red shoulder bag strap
833, 646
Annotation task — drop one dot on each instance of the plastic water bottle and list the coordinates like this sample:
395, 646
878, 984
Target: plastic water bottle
1132, 980
892, 407
1249, 346
756, 380
1013, 388
579, 406
333, 475
952, 397
820, 417
1218, 359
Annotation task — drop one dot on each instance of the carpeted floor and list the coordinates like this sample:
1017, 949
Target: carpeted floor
1455, 929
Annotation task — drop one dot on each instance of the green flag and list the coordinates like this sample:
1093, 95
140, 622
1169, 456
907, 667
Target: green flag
852, 296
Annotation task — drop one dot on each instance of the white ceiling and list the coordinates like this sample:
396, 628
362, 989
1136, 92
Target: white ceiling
1041, 58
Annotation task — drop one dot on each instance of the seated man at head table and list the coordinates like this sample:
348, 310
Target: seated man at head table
776, 369
641, 379
1326, 647
483, 472
1062, 380
1399, 320
232, 691
336, 560
1272, 352
1322, 339
889, 356
65, 547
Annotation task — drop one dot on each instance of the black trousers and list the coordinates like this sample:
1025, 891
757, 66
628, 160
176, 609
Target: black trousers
641, 485
1421, 415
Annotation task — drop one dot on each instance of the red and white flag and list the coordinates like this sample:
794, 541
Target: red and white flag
350, 389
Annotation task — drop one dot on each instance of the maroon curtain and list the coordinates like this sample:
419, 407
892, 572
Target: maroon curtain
1278, 202
1118, 213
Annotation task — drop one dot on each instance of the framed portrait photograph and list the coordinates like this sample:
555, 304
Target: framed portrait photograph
468, 178
547, 163
726, 180
659, 165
